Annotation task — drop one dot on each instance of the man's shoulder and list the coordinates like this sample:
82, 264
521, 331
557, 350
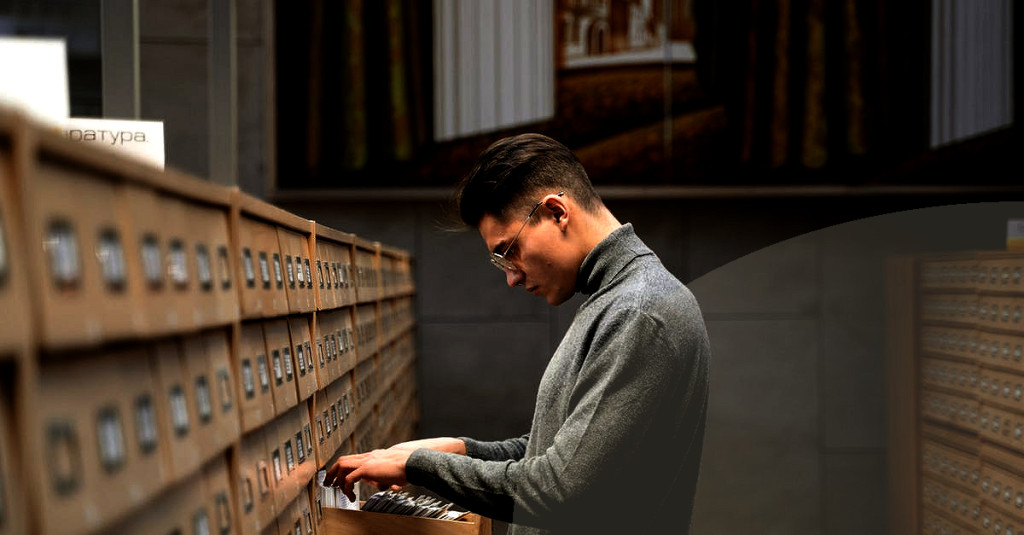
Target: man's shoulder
658, 297
649, 287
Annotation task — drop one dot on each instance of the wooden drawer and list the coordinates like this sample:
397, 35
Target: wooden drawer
1001, 313
957, 411
951, 466
348, 522
305, 368
295, 253
1002, 427
951, 342
953, 501
282, 364
256, 398
950, 309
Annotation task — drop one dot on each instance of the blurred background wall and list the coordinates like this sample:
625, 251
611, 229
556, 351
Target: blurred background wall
717, 129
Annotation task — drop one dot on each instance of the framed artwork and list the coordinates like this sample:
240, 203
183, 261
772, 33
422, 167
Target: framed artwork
599, 33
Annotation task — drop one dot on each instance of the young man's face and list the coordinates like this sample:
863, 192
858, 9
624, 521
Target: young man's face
542, 254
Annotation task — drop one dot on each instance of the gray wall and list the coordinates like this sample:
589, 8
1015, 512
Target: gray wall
796, 430
174, 84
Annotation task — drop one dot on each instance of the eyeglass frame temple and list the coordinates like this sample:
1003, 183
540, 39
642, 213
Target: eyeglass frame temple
525, 221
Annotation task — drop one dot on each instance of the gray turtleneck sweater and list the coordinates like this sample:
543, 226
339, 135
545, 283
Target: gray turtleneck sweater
618, 425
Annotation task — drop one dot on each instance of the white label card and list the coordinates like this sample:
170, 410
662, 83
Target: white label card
140, 140
35, 78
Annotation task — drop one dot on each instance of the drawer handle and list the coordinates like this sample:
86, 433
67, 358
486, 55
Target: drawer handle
64, 457
224, 386
264, 270
278, 369
177, 266
288, 371
300, 447
152, 262
110, 438
204, 268
276, 459
264, 477
223, 267
278, 277
248, 382
201, 523
110, 254
245, 489
179, 412
250, 271
62, 244
300, 356
145, 423
289, 456
204, 402
223, 513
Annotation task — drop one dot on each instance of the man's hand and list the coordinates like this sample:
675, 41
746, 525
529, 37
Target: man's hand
384, 468
381, 468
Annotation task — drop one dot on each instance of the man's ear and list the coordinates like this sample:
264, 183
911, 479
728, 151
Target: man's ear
559, 209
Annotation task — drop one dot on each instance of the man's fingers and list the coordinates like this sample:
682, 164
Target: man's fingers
343, 466
350, 483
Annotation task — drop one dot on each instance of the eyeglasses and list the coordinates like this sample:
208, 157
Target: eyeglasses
498, 259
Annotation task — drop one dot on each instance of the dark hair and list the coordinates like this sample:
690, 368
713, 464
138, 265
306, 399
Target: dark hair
512, 171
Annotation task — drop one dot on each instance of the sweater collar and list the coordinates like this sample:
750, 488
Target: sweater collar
607, 259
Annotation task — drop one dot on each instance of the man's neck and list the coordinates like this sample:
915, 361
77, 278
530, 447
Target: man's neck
597, 227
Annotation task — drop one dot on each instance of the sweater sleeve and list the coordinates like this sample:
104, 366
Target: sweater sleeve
502, 450
630, 371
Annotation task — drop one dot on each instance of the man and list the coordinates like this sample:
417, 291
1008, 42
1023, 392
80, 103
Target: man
622, 404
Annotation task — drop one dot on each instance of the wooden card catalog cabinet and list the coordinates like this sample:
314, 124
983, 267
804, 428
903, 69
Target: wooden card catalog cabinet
957, 359
182, 357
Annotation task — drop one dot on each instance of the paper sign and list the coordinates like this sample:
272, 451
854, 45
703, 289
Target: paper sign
143, 140
34, 78
1015, 235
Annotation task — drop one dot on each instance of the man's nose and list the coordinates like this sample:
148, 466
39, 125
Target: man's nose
514, 277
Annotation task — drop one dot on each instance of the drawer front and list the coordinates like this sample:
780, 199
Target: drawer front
255, 485
282, 364
83, 292
950, 466
103, 449
294, 253
957, 411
